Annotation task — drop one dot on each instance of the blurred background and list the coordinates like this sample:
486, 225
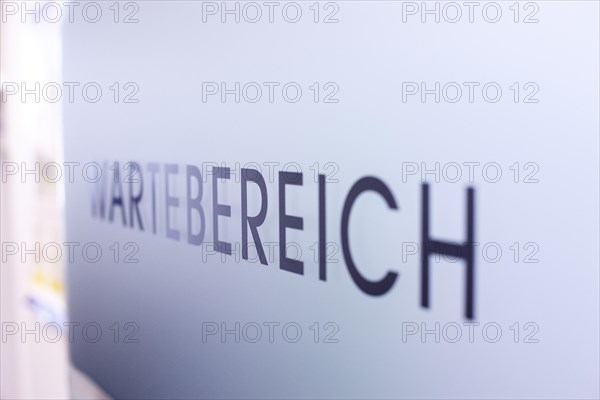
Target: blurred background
31, 211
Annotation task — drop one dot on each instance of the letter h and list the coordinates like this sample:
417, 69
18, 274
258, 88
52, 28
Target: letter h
465, 251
